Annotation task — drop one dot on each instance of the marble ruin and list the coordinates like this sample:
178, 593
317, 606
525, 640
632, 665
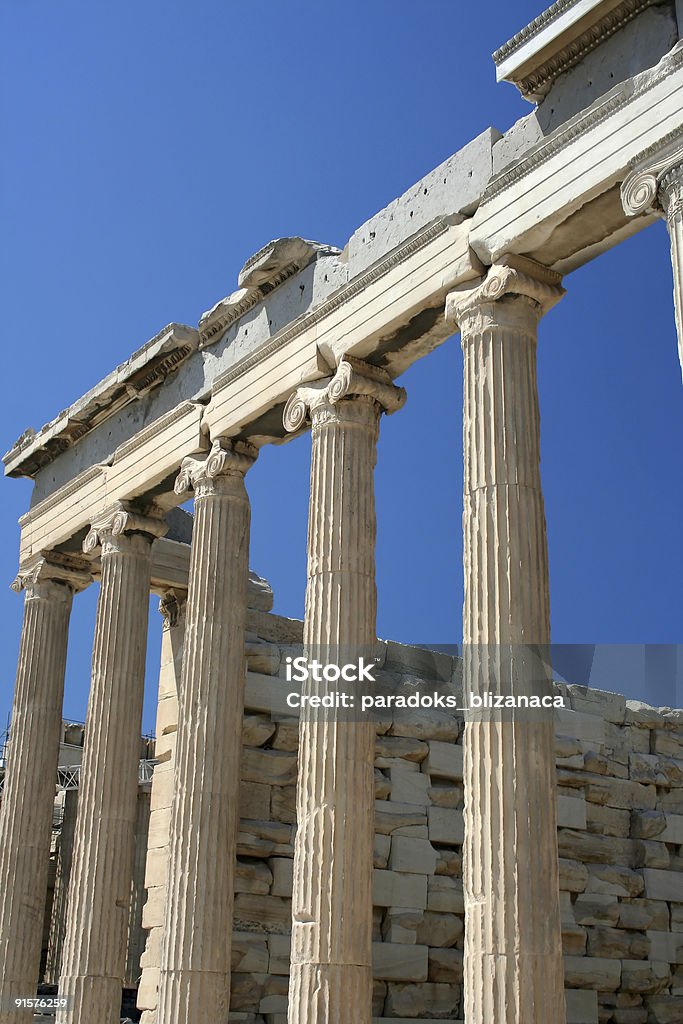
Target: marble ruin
349, 871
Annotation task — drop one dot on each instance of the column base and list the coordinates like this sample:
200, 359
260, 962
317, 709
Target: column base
330, 994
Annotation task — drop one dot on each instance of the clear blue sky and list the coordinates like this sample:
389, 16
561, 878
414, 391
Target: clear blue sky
151, 147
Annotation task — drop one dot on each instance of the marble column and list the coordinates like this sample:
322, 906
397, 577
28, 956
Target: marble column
60, 900
172, 608
99, 894
331, 962
656, 185
194, 979
513, 972
138, 892
27, 801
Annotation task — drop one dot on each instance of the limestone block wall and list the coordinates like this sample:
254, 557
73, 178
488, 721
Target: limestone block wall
620, 804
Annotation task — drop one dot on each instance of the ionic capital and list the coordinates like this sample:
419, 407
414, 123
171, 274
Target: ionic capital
171, 607
354, 379
656, 181
53, 576
510, 277
119, 524
227, 460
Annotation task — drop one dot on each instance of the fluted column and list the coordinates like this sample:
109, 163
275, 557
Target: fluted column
331, 963
138, 893
99, 893
60, 900
656, 185
513, 970
194, 982
29, 793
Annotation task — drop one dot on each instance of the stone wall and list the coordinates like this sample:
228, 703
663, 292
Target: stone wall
620, 804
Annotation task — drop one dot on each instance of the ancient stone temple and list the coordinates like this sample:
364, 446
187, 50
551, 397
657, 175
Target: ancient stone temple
345, 870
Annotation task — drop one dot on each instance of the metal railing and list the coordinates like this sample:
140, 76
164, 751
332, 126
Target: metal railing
69, 775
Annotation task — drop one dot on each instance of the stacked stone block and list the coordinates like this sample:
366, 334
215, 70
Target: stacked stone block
620, 814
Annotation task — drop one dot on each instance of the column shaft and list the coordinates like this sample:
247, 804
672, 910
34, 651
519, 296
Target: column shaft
655, 185
136, 934
331, 967
99, 895
60, 900
671, 192
513, 971
29, 793
194, 982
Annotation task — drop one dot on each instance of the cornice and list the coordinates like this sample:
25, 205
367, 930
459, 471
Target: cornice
531, 30
266, 270
146, 369
615, 101
344, 294
535, 86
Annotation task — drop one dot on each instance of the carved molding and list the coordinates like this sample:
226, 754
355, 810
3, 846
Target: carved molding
57, 497
144, 370
226, 458
122, 519
266, 270
537, 84
341, 297
68, 572
354, 378
646, 187
156, 427
512, 275
532, 29
583, 124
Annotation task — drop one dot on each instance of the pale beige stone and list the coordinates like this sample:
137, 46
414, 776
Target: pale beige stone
657, 183
663, 885
399, 962
446, 826
279, 948
249, 953
94, 958
390, 816
283, 876
415, 856
445, 894
252, 876
399, 889
513, 942
604, 975
444, 761
269, 913
331, 974
440, 929
28, 795
254, 800
194, 977
408, 784
399, 925
445, 965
